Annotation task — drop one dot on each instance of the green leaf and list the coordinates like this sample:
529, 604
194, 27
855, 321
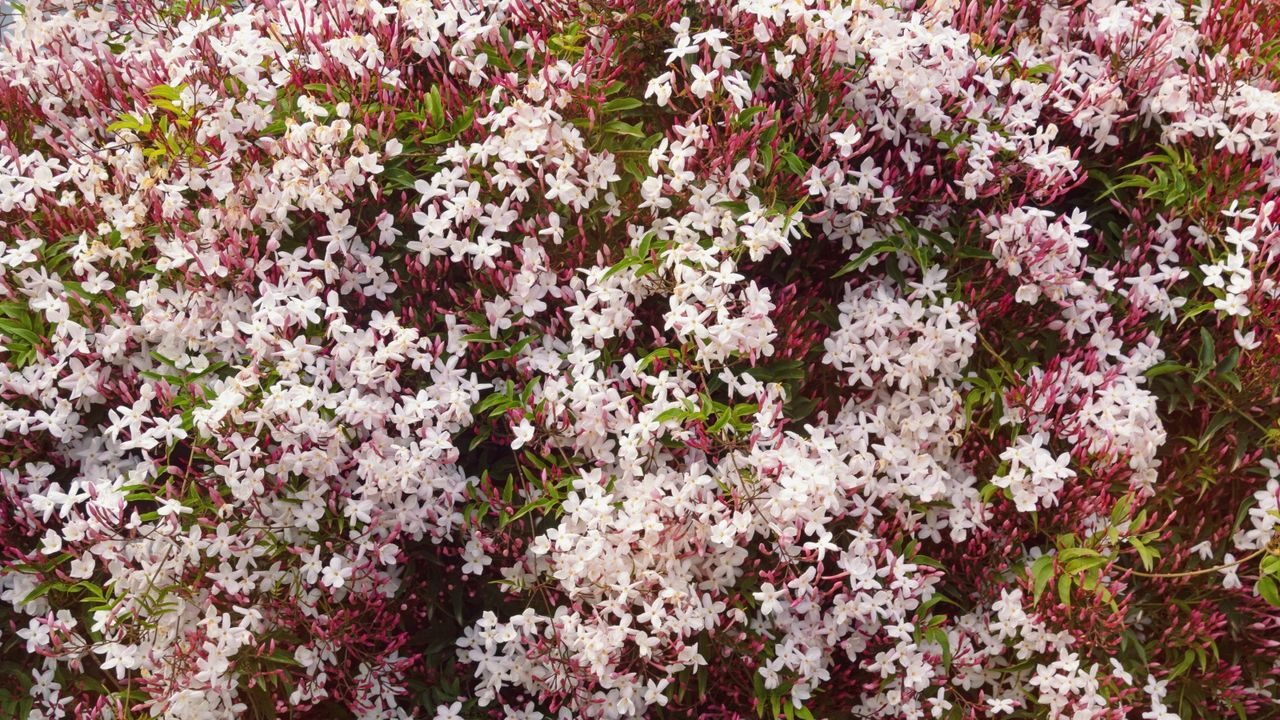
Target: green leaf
939, 636
1164, 368
1183, 665
435, 108
282, 658
856, 264
617, 127
1231, 379
17, 331
1229, 362
525, 510
1268, 590
1207, 357
43, 589
974, 253
622, 104
502, 401
462, 123
1216, 423
1041, 574
1084, 565
794, 163
781, 370
129, 122
1145, 552
398, 178
1120, 511
443, 136
747, 114
166, 92
623, 264
1270, 565
1074, 553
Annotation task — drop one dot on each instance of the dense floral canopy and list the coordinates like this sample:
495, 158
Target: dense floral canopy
897, 359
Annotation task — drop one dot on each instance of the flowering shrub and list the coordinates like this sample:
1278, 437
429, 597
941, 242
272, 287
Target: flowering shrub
640, 358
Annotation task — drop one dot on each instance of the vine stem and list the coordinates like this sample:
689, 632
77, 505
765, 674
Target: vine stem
1202, 571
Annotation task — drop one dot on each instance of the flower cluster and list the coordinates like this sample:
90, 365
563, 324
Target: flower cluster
611, 359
